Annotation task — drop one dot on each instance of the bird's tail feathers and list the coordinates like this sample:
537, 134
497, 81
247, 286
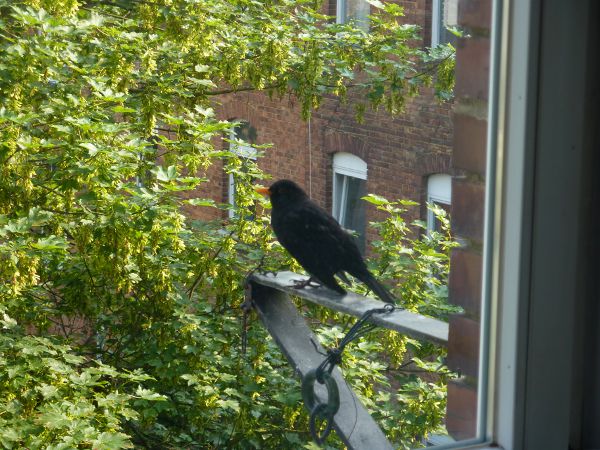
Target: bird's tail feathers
378, 289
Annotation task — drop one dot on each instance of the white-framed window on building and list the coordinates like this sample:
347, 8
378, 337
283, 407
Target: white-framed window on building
349, 186
444, 14
357, 10
245, 133
439, 192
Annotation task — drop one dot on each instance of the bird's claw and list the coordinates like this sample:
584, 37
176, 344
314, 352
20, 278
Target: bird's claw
268, 272
301, 284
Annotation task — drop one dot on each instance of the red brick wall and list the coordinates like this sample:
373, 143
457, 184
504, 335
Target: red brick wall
468, 195
400, 152
277, 123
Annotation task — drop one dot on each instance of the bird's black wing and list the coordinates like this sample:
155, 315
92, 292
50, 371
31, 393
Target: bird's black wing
315, 239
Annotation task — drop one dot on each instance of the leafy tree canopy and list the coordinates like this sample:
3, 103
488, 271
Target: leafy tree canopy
95, 253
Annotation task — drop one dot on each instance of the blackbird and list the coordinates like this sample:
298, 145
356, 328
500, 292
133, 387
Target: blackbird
316, 240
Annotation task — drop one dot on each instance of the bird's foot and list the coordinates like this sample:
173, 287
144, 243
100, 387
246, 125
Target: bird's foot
301, 284
266, 272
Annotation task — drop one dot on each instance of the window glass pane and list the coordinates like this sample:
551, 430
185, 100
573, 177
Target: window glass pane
354, 212
233, 192
444, 16
449, 20
437, 225
358, 10
439, 193
246, 133
348, 208
338, 186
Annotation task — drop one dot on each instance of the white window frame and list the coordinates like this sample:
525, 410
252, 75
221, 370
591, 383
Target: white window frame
340, 10
244, 151
435, 22
441, 18
439, 190
348, 165
531, 257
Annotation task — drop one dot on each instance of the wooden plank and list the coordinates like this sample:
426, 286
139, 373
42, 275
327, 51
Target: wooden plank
353, 423
410, 324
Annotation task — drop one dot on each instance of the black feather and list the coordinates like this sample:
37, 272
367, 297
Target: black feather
316, 240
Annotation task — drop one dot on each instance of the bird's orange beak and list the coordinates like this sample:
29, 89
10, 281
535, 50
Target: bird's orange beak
263, 191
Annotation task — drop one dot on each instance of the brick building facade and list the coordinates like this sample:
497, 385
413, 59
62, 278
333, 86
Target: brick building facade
400, 152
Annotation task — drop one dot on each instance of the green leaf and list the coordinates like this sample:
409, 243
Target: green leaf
202, 202
112, 441
229, 404
7, 322
54, 418
166, 175
91, 148
37, 217
123, 109
146, 394
48, 391
51, 243
376, 199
